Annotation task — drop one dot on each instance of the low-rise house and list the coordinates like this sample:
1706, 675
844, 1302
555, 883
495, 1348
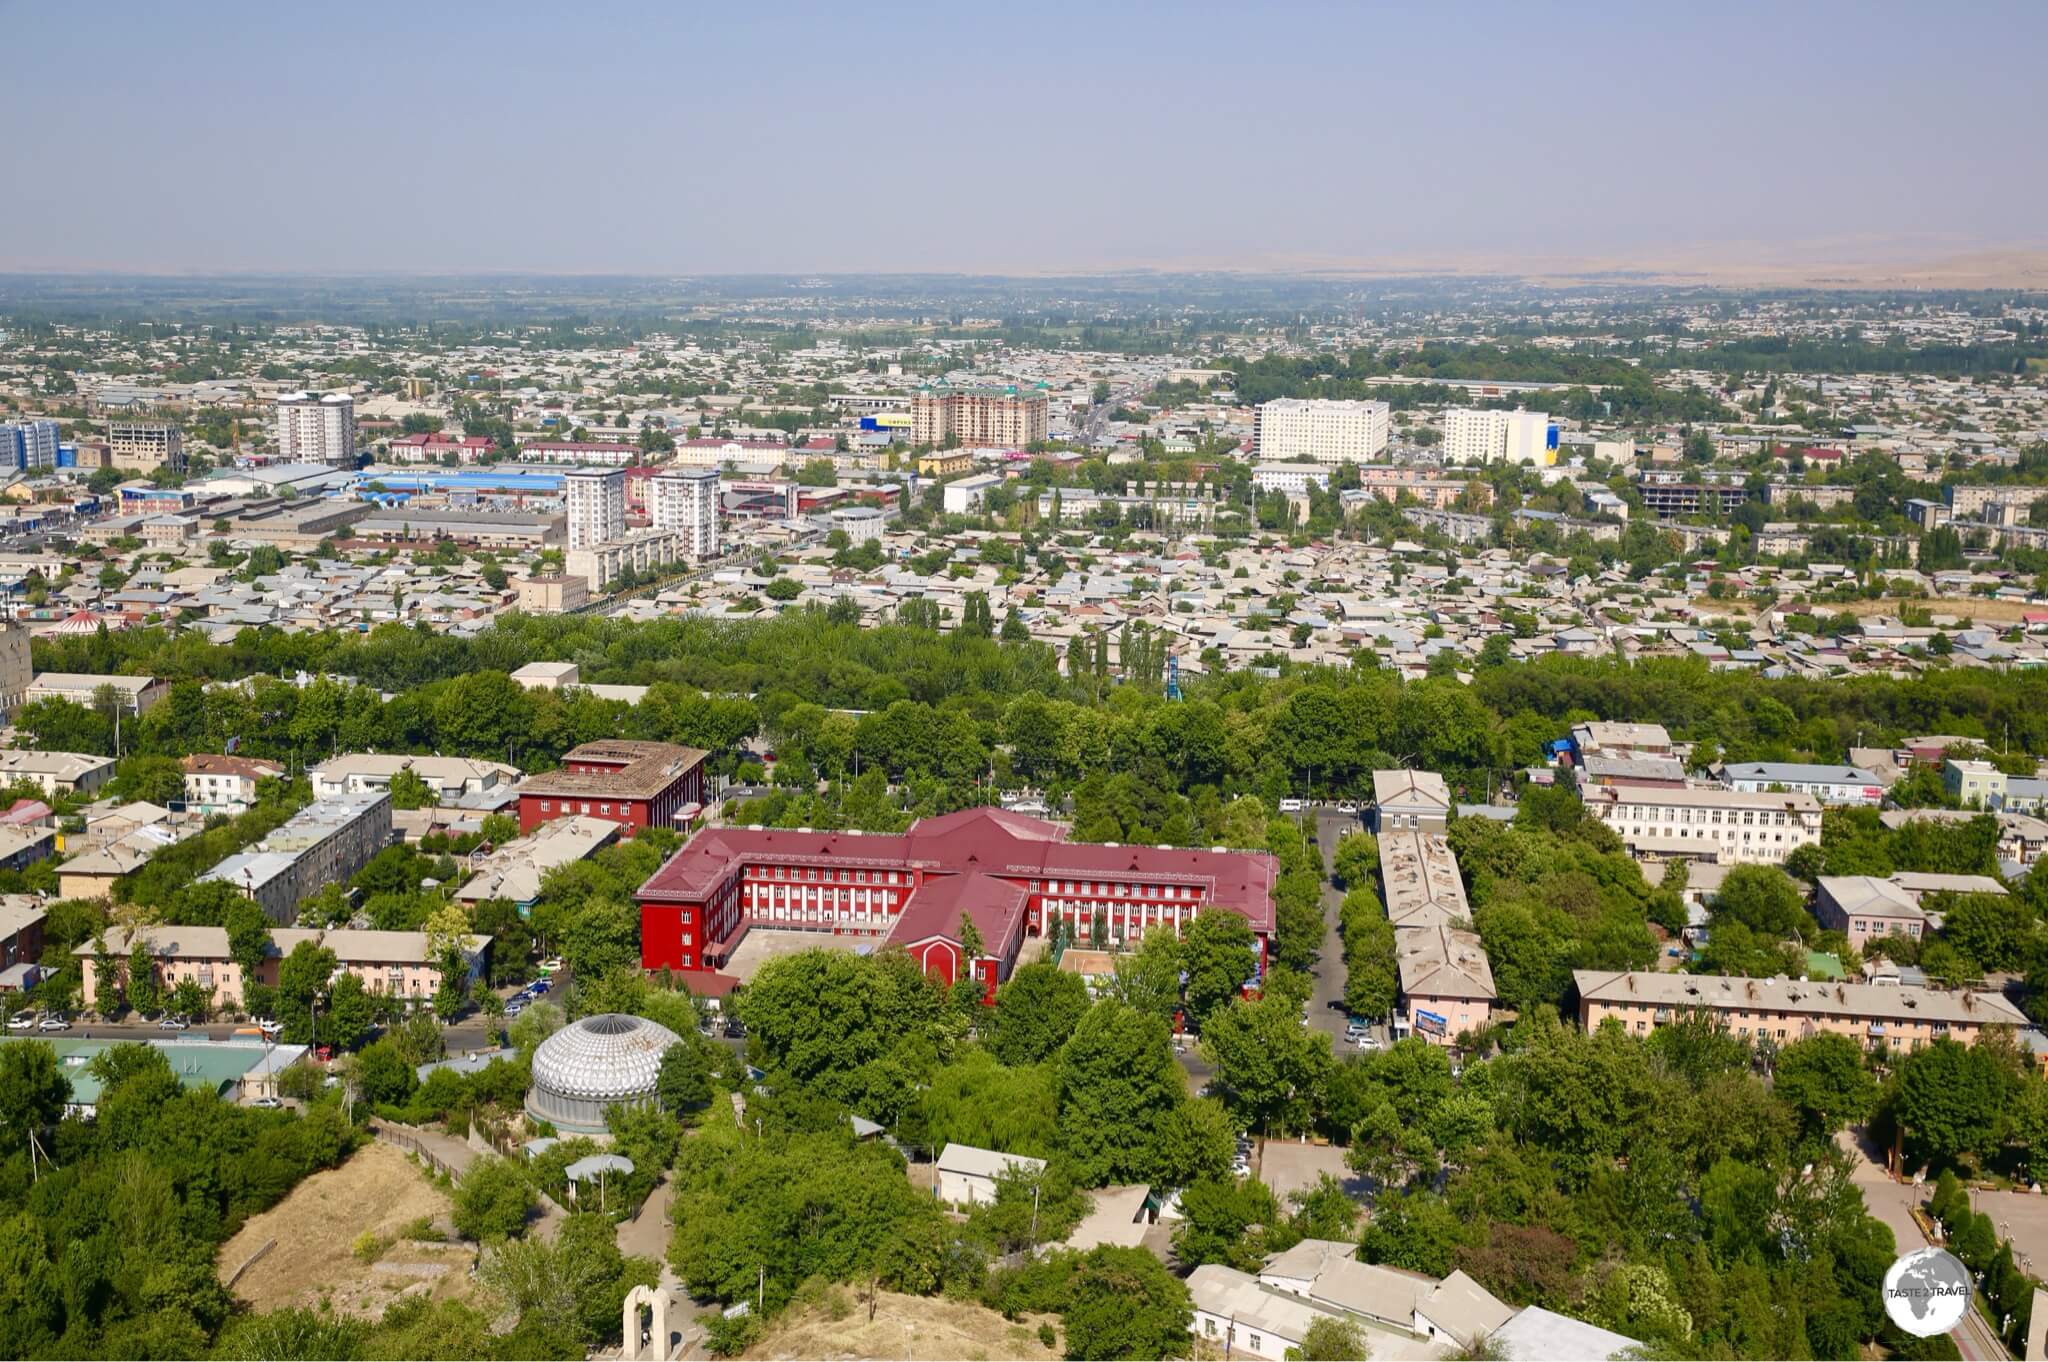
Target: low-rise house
1539, 1335
1446, 983
968, 1175
136, 693
452, 779
21, 929
218, 783
1410, 800
1866, 908
56, 773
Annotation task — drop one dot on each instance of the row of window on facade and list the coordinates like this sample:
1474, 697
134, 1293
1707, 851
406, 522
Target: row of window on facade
1749, 817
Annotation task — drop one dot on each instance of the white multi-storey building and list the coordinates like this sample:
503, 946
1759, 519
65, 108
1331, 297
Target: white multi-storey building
685, 500
1297, 430
595, 499
1474, 436
317, 428
1292, 478
1726, 826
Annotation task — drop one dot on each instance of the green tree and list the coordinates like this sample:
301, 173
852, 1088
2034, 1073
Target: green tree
683, 1083
1117, 1085
384, 1076
1219, 957
1949, 1099
1331, 1339
1270, 1067
33, 1091
493, 1200
1123, 1303
1036, 1011
301, 982
410, 791
1823, 1078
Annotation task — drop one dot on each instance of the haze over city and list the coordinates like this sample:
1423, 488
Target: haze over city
644, 138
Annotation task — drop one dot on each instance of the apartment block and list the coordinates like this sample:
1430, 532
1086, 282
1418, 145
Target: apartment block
1669, 500
1785, 1011
1304, 430
397, 964
29, 444
595, 500
317, 428
321, 844
684, 501
1003, 416
1473, 435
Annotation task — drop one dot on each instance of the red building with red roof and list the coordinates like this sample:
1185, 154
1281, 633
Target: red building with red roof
1010, 875
638, 784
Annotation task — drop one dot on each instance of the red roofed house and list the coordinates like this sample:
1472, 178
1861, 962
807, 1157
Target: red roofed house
1010, 875
639, 784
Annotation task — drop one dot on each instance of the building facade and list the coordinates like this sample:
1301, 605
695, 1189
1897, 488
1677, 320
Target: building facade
1828, 784
1317, 430
1473, 435
595, 502
317, 428
635, 784
684, 501
1005, 416
397, 964
1721, 825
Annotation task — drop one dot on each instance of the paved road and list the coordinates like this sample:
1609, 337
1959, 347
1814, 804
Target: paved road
1892, 1202
1326, 1005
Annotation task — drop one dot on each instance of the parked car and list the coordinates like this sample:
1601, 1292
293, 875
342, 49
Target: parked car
1367, 1041
550, 966
267, 1103
53, 1023
1291, 806
22, 1021
269, 1027
514, 1008
174, 1024
1347, 806
539, 986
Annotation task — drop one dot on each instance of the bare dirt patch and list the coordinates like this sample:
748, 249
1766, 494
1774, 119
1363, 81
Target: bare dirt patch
905, 1326
379, 1190
1976, 608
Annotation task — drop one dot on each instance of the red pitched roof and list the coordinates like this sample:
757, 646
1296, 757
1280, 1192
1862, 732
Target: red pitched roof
957, 848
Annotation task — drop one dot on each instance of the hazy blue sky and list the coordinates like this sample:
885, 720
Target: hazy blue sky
736, 137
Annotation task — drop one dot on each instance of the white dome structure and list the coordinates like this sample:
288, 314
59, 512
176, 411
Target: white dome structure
592, 1065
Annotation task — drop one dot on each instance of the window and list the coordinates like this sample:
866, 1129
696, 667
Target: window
1255, 1342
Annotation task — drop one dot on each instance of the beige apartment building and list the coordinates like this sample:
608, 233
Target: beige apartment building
1006, 416
1726, 826
552, 594
396, 963
1783, 1011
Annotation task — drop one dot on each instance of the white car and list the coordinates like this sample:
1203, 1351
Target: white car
174, 1024
53, 1024
1366, 1041
269, 1027
26, 1021
1291, 806
267, 1103
1347, 806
